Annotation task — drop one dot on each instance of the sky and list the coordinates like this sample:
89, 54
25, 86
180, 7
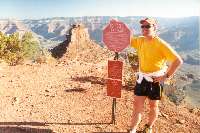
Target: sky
37, 9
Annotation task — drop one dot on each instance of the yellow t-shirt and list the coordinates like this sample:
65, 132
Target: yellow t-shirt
152, 54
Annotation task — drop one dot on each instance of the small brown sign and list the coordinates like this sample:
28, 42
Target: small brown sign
114, 82
115, 69
114, 88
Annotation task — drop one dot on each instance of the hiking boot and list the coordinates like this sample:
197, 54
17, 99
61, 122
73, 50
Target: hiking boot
147, 129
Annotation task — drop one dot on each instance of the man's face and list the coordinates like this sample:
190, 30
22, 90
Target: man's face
147, 29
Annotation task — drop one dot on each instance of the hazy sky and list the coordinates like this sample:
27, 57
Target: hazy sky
22, 9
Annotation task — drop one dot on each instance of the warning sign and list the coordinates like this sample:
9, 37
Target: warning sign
115, 69
114, 88
116, 36
114, 81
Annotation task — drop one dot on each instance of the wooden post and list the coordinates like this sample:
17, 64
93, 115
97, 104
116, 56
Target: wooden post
114, 103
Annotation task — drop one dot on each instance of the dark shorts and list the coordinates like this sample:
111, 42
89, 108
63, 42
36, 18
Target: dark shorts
150, 89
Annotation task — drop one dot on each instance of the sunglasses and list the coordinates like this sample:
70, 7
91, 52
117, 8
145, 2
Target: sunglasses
146, 26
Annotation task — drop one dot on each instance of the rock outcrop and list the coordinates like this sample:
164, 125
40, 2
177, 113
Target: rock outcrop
78, 46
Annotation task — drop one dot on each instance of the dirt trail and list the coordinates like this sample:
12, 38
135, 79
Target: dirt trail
71, 98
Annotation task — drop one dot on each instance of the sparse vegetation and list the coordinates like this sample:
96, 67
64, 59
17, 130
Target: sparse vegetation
30, 46
14, 49
44, 56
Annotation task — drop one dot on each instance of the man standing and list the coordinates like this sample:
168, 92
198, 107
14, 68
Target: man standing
153, 54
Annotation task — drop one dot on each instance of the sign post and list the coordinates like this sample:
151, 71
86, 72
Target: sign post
116, 36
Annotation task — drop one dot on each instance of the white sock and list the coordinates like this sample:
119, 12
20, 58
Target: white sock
133, 131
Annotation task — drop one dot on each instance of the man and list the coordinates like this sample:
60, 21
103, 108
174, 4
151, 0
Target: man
153, 54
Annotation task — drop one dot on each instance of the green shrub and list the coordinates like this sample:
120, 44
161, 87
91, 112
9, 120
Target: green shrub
30, 46
14, 50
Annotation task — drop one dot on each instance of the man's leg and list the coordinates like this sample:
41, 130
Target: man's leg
138, 108
154, 110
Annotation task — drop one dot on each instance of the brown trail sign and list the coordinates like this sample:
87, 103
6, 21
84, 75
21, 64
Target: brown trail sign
114, 88
115, 69
116, 36
114, 81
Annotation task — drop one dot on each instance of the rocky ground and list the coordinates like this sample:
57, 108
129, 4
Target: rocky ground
71, 98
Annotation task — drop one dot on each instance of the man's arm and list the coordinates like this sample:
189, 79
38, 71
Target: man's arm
171, 69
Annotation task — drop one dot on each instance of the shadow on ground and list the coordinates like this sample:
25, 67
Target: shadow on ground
14, 127
49, 123
100, 81
92, 79
21, 127
76, 89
